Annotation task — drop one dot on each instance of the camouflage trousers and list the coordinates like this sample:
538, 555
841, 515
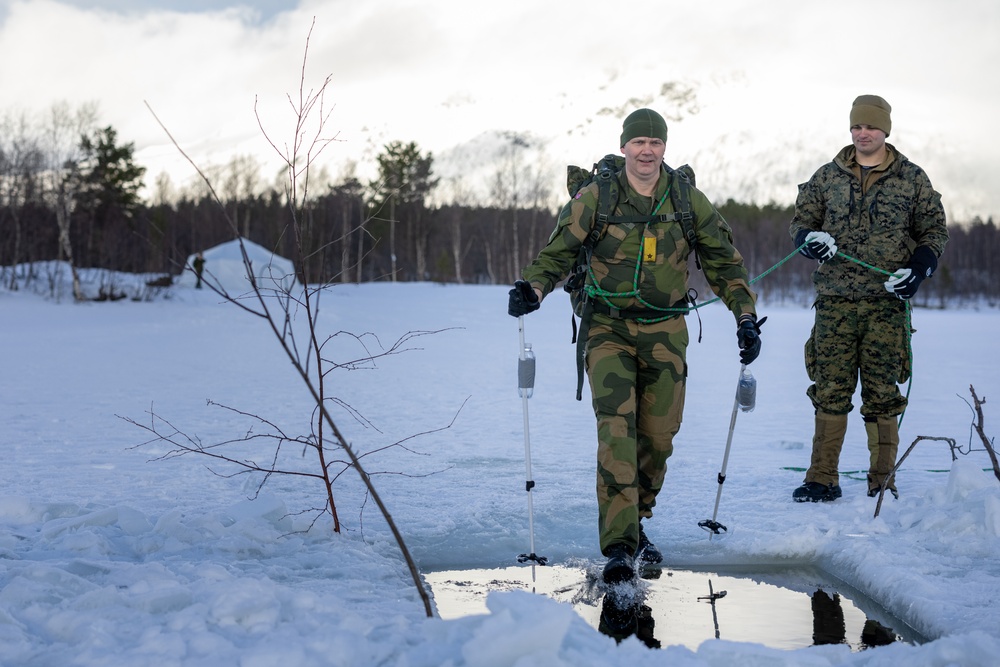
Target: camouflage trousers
865, 339
637, 378
851, 340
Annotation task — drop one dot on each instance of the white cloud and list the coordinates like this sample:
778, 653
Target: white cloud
774, 78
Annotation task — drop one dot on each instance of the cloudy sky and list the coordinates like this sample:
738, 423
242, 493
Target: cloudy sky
769, 82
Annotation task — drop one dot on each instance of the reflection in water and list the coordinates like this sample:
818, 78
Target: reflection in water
623, 617
624, 613
711, 598
875, 634
828, 619
784, 608
829, 626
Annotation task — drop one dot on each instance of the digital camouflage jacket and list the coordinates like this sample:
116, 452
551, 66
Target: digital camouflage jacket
649, 261
879, 222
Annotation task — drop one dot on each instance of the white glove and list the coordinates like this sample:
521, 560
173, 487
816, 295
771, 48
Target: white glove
819, 245
904, 283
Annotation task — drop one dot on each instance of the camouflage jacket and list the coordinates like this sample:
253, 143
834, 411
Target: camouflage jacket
880, 221
660, 250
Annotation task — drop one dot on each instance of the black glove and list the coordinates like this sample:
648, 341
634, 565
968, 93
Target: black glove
904, 282
523, 299
748, 337
818, 245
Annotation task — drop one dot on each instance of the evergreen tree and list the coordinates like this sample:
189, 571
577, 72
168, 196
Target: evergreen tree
107, 199
405, 182
110, 179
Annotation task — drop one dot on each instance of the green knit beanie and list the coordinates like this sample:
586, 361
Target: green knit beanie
871, 110
643, 123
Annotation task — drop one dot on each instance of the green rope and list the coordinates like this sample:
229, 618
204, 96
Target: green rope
851, 473
594, 291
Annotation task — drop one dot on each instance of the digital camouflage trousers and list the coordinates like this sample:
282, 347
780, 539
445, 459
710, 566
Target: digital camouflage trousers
851, 340
637, 376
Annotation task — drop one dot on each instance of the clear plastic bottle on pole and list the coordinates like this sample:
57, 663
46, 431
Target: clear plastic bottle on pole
526, 372
746, 393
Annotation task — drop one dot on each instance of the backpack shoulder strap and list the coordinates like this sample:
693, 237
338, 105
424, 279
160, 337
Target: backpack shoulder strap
680, 195
603, 174
607, 200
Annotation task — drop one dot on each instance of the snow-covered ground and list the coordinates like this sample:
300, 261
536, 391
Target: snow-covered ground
109, 557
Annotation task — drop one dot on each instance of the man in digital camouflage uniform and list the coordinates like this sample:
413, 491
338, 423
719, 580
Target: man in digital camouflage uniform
635, 350
873, 205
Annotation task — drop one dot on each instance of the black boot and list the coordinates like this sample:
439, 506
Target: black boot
816, 492
874, 492
648, 553
620, 566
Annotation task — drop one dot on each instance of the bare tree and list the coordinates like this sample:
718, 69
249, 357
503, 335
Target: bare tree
20, 167
277, 299
61, 147
507, 188
241, 182
351, 193
463, 199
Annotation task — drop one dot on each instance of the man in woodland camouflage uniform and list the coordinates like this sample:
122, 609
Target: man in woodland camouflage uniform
635, 350
875, 206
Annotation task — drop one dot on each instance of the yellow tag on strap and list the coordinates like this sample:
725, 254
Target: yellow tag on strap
649, 248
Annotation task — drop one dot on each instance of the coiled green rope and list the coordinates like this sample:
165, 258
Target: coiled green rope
593, 291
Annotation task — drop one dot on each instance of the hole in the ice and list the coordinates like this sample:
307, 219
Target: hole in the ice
777, 606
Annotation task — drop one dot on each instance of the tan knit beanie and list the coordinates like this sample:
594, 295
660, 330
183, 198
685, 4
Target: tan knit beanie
871, 110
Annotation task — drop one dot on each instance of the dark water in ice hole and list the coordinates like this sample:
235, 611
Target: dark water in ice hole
777, 606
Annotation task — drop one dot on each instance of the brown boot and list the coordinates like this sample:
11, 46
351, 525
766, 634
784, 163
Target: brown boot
883, 444
822, 474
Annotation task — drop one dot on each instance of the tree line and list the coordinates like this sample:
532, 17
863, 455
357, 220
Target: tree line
69, 191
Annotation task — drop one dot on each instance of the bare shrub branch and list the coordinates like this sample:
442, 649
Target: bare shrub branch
279, 300
977, 426
977, 409
892, 474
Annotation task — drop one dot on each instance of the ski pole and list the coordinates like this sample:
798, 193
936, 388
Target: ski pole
525, 387
711, 598
746, 397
